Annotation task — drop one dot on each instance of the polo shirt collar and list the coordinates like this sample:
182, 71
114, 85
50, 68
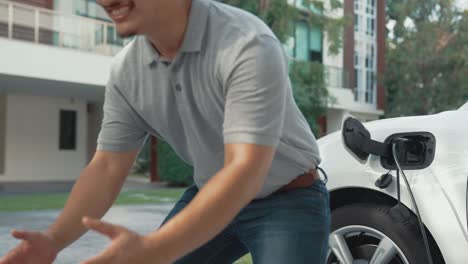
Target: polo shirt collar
196, 26
194, 34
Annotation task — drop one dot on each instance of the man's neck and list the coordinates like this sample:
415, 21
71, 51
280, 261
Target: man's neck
167, 33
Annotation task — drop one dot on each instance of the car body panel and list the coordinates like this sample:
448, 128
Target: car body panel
440, 189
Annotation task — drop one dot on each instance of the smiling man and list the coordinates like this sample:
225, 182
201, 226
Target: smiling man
212, 81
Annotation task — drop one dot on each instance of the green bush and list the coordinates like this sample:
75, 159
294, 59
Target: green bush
171, 168
310, 90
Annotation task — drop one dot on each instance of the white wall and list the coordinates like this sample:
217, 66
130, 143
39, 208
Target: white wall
334, 119
32, 139
21, 58
328, 58
345, 100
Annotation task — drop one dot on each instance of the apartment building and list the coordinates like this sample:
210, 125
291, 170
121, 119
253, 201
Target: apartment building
54, 64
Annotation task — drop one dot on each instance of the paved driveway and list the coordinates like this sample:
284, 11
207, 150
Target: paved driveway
140, 218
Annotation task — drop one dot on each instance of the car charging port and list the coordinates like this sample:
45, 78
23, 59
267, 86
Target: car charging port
415, 151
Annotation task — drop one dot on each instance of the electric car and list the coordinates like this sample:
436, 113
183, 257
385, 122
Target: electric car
398, 190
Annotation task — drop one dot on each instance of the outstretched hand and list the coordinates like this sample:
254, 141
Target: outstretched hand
36, 248
126, 246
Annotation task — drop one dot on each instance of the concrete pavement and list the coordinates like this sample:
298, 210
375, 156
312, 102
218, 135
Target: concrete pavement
140, 218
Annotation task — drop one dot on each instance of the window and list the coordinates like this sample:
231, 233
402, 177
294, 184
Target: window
67, 140
308, 43
315, 7
89, 8
357, 84
370, 29
315, 44
370, 87
356, 78
370, 7
112, 36
370, 56
356, 23
365, 17
302, 42
356, 59
365, 28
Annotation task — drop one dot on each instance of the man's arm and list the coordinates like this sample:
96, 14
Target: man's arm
216, 204
93, 193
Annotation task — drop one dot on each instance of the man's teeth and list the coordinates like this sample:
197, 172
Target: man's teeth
120, 11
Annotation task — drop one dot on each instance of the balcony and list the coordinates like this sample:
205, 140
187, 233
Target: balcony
337, 77
44, 26
339, 84
44, 52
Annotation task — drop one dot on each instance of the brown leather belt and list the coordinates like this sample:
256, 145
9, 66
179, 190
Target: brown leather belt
304, 180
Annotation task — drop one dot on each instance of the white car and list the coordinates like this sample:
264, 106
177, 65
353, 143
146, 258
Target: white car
369, 225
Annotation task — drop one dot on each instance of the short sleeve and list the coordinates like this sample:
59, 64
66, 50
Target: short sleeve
120, 129
255, 96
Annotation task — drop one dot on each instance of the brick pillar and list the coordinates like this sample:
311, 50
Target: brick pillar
154, 160
263, 5
381, 35
348, 44
322, 123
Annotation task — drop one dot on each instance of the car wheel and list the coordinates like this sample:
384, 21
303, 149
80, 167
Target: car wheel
366, 234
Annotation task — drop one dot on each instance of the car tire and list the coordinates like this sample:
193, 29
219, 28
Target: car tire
405, 235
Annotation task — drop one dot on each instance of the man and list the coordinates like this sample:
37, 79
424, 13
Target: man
212, 81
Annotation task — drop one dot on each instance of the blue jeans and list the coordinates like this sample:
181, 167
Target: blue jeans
290, 227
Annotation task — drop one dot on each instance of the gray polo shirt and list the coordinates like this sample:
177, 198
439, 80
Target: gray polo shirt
228, 84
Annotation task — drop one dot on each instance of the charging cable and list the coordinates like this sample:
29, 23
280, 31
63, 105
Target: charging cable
325, 180
421, 225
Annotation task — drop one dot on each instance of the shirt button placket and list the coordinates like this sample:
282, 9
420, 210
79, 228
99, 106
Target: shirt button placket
177, 91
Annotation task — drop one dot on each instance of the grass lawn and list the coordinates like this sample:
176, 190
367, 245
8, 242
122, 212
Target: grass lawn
247, 259
17, 203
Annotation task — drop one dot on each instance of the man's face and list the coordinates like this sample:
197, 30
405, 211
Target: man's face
131, 16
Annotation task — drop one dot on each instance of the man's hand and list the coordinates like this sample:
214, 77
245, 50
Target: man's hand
36, 248
126, 247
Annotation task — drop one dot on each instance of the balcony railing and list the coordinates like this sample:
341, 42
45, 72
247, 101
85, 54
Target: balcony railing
337, 77
340, 78
44, 26
365, 97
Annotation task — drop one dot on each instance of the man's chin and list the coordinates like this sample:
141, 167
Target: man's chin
125, 33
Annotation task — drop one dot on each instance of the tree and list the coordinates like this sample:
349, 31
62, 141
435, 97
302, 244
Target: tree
427, 59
